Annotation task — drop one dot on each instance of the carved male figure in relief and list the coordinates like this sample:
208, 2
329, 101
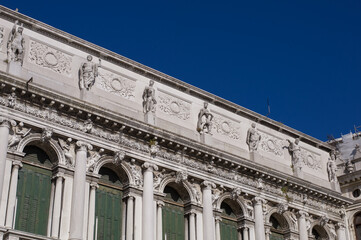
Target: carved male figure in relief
295, 150
204, 124
332, 167
253, 138
16, 44
87, 73
149, 101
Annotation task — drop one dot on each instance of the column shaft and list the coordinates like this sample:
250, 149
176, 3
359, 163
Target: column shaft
130, 218
4, 135
91, 214
218, 230
148, 206
302, 227
245, 233
12, 194
57, 206
258, 216
340, 231
159, 221
78, 197
192, 226
208, 223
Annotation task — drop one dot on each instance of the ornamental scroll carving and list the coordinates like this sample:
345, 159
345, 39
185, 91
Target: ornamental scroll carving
271, 144
50, 58
226, 127
174, 106
310, 159
116, 84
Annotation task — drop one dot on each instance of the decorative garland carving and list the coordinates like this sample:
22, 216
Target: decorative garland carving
226, 127
50, 58
271, 144
174, 106
116, 84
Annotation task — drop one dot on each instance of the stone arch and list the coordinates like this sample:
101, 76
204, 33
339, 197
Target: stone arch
241, 204
186, 185
107, 161
284, 220
323, 231
51, 147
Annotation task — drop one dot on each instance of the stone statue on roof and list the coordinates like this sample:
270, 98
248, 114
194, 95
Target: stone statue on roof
16, 43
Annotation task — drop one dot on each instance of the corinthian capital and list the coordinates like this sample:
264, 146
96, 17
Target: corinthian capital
83, 146
303, 214
340, 225
150, 166
259, 200
208, 185
7, 122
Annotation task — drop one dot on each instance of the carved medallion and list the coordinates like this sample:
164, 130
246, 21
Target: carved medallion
116, 84
50, 58
271, 144
174, 106
226, 127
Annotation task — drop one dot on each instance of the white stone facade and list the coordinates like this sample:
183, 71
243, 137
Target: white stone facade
105, 123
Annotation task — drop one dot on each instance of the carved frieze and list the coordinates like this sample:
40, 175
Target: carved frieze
226, 127
116, 84
310, 159
1, 36
174, 106
50, 58
271, 144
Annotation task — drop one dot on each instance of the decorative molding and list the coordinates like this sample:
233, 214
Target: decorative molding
226, 127
310, 159
174, 106
271, 144
50, 58
1, 35
116, 84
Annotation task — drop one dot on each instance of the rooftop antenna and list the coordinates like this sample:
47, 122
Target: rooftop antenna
330, 138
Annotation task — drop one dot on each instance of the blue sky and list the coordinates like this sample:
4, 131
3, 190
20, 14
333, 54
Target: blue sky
305, 56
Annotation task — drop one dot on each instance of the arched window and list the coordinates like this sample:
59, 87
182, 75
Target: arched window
319, 233
173, 215
33, 192
278, 227
228, 224
108, 206
357, 223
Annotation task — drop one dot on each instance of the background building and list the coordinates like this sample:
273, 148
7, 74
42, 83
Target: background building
96, 146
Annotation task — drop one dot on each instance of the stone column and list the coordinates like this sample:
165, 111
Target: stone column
258, 217
245, 233
268, 233
208, 224
12, 193
5, 125
57, 205
199, 224
192, 225
302, 226
130, 217
218, 228
148, 198
78, 196
340, 231
91, 217
160, 205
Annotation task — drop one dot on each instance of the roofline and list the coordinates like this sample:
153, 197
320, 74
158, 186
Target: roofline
158, 76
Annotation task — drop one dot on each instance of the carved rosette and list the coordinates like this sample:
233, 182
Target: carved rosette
50, 58
116, 84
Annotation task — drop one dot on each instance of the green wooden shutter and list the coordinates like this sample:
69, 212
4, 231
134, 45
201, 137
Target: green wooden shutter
173, 222
33, 199
109, 213
276, 236
228, 229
